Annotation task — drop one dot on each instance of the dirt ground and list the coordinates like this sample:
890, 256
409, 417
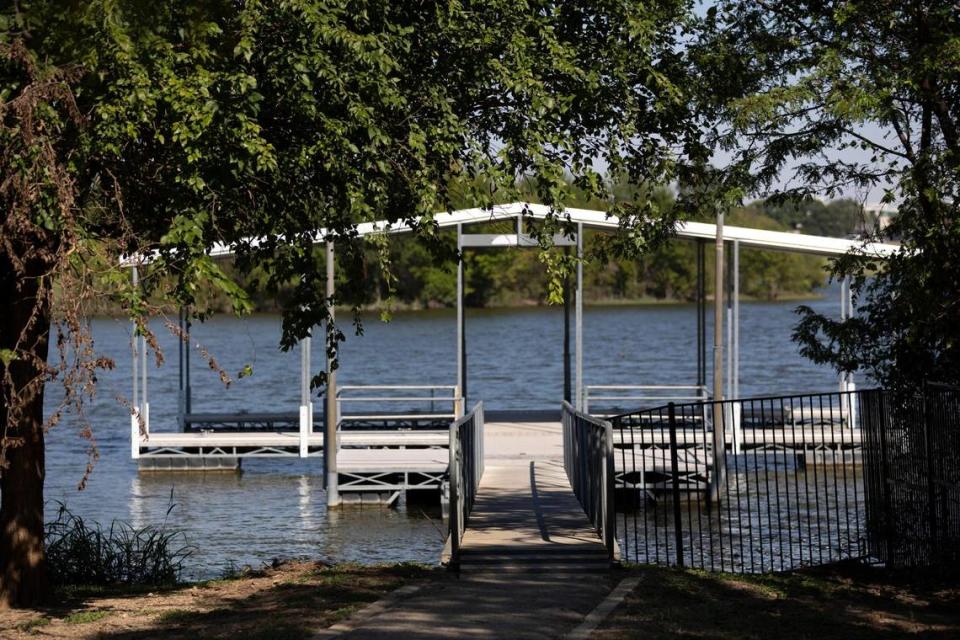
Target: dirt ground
291, 600
295, 599
839, 602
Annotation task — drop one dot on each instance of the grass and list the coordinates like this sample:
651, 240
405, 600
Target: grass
34, 623
86, 617
174, 616
843, 602
79, 592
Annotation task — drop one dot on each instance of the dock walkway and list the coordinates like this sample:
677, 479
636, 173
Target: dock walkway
532, 566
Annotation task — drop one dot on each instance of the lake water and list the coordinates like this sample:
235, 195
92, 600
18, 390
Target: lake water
276, 508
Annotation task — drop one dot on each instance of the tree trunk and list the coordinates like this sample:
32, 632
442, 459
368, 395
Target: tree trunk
23, 571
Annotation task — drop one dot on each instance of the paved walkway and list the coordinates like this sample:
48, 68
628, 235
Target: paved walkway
532, 566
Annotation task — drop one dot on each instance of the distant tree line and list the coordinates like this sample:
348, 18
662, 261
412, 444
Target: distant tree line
514, 277
517, 277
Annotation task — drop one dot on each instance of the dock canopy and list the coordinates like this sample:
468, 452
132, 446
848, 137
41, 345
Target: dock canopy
592, 219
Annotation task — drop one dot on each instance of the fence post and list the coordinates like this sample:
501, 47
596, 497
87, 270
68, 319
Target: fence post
888, 528
675, 472
931, 480
454, 498
609, 486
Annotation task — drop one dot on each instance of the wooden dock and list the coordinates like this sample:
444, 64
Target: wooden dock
526, 518
531, 565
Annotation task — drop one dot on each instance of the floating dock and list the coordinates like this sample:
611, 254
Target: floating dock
381, 451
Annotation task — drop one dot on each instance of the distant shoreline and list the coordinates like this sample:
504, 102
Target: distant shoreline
519, 306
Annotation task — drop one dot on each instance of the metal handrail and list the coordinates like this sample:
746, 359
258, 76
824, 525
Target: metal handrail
454, 397
700, 393
588, 461
355, 387
466, 470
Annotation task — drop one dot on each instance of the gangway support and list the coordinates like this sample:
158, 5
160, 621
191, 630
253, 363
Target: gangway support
331, 422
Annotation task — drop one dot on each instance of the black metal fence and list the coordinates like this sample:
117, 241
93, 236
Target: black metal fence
785, 491
589, 462
913, 477
466, 470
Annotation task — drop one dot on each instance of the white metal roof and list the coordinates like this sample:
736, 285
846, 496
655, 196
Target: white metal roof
754, 238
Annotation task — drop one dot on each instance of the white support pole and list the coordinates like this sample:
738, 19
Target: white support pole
848, 384
306, 423
736, 420
567, 370
187, 346
736, 318
461, 356
578, 339
844, 283
731, 417
144, 403
181, 397
719, 437
718, 312
729, 328
330, 443
134, 402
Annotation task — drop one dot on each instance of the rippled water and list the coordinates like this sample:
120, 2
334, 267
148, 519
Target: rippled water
774, 515
275, 508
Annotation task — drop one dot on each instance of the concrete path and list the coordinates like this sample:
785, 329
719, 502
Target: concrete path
532, 566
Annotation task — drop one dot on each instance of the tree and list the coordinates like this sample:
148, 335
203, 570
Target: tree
838, 218
160, 128
821, 97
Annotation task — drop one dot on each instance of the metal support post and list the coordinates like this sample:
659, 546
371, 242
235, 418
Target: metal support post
567, 390
736, 319
675, 473
701, 315
719, 438
736, 407
134, 402
144, 402
330, 444
461, 324
579, 319
736, 422
846, 378
930, 472
306, 408
187, 346
609, 498
843, 318
181, 395
729, 343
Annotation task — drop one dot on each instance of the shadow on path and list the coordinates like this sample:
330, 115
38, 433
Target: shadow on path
531, 565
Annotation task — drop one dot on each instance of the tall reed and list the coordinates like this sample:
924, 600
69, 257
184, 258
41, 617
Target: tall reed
79, 553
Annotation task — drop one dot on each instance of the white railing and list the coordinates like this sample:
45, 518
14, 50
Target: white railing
588, 461
466, 470
397, 402
631, 397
